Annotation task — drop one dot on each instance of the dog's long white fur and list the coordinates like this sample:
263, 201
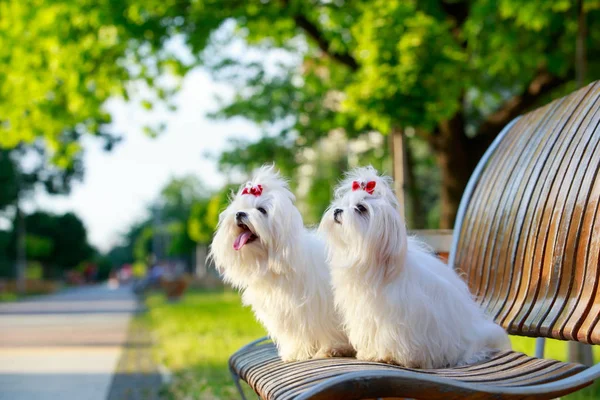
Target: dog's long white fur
283, 275
399, 302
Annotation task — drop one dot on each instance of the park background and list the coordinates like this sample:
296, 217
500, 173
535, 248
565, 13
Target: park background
124, 126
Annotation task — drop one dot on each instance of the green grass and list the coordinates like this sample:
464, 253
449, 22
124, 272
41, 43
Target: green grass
558, 350
5, 297
196, 336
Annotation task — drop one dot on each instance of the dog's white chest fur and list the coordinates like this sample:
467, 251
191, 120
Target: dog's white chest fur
296, 306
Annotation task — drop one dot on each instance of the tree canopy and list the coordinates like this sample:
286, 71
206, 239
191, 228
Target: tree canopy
61, 60
455, 71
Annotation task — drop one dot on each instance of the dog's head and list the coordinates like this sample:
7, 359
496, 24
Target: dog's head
258, 229
363, 225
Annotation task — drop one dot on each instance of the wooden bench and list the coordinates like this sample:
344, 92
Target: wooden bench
527, 240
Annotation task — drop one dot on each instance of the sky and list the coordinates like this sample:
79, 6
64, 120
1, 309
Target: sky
119, 185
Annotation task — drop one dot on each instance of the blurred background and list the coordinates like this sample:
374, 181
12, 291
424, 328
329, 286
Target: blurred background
125, 124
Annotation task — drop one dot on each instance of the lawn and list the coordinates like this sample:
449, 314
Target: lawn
196, 336
8, 296
557, 349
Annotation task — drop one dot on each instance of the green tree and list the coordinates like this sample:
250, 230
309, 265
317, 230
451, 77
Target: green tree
128, 251
70, 242
61, 60
249, 155
178, 198
199, 226
18, 180
456, 71
120, 255
58, 242
204, 216
104, 265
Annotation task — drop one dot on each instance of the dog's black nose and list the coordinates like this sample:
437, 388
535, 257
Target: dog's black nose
240, 215
337, 212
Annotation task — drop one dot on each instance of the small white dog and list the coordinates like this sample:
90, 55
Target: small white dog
399, 302
262, 248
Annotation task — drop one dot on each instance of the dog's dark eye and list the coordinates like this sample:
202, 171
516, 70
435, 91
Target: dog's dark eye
262, 210
360, 208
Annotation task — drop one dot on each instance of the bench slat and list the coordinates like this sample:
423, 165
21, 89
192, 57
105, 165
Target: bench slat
528, 245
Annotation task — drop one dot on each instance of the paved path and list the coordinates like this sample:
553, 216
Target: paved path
64, 346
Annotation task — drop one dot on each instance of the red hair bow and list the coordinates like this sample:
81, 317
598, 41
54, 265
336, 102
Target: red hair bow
368, 187
255, 190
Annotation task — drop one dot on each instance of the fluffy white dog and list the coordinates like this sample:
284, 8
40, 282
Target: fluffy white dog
262, 248
400, 303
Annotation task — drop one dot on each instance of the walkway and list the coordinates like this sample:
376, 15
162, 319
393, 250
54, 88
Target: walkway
67, 346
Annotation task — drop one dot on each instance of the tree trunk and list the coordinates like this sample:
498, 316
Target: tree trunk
21, 261
396, 140
21, 250
405, 183
418, 219
456, 161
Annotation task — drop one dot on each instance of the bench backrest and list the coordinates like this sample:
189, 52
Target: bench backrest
529, 242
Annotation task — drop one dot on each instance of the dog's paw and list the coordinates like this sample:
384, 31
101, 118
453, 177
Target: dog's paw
343, 350
295, 356
388, 360
364, 356
379, 358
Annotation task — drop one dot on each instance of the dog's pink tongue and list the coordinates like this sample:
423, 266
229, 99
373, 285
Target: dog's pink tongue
241, 240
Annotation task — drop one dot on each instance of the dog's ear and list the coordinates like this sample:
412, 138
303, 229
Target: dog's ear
389, 241
286, 227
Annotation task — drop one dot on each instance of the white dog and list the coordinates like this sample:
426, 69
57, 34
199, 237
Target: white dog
262, 247
399, 302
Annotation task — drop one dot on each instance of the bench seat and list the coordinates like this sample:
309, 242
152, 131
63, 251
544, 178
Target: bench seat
336, 378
